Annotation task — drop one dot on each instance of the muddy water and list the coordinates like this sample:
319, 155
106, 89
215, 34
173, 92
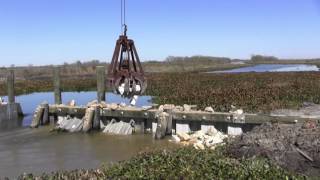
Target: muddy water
38, 150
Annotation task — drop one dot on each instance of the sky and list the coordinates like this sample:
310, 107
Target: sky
40, 32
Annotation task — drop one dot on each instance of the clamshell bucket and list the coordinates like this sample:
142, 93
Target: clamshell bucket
125, 73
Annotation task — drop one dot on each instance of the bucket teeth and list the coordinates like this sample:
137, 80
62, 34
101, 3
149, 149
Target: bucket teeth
128, 87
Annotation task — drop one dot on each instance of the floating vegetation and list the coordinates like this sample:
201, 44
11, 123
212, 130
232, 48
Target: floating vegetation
253, 92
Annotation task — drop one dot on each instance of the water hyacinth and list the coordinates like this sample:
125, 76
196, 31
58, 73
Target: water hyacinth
182, 163
254, 92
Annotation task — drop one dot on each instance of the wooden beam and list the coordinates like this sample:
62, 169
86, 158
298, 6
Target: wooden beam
139, 113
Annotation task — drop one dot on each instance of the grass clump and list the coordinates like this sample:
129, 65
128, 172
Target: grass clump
182, 163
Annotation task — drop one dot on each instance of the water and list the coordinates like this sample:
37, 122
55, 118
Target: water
37, 150
31, 101
273, 68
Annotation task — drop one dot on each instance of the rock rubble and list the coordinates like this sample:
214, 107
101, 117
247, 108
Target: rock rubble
201, 139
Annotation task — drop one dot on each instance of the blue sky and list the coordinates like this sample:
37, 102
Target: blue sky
56, 31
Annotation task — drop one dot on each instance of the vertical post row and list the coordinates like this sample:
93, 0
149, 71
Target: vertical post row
57, 85
10, 86
101, 83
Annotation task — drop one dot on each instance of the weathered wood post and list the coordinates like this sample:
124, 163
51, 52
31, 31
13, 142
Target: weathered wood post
101, 84
169, 122
88, 119
162, 123
57, 85
37, 117
97, 117
45, 118
10, 86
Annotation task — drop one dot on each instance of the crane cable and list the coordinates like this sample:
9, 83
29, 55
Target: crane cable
123, 17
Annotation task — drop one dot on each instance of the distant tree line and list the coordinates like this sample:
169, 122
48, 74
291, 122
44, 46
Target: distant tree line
170, 64
261, 58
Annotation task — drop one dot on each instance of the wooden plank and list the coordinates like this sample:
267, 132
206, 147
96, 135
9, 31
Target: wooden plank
129, 113
62, 110
139, 113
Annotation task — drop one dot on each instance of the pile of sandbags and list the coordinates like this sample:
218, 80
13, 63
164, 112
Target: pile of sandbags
69, 124
119, 128
201, 139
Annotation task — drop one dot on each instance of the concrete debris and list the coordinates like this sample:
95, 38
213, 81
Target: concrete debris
183, 136
113, 106
69, 124
234, 131
186, 107
94, 102
211, 131
201, 139
71, 103
102, 125
176, 138
237, 111
122, 104
238, 115
178, 108
182, 127
119, 128
134, 100
161, 108
103, 104
209, 109
199, 145
168, 107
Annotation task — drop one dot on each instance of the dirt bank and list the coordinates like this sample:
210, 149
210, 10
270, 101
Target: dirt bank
295, 147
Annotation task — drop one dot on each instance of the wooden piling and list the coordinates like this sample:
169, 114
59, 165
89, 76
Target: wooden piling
169, 121
37, 117
162, 125
101, 84
97, 117
45, 116
10, 86
88, 119
57, 85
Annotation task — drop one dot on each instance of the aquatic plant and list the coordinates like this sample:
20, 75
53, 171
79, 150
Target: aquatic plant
183, 163
254, 92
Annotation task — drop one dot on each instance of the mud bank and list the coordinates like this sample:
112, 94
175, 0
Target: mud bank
295, 147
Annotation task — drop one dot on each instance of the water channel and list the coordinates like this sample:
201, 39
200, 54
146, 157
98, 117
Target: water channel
38, 150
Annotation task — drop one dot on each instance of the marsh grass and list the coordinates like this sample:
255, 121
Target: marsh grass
182, 163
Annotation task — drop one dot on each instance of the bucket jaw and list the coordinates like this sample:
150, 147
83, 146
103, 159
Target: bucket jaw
125, 73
